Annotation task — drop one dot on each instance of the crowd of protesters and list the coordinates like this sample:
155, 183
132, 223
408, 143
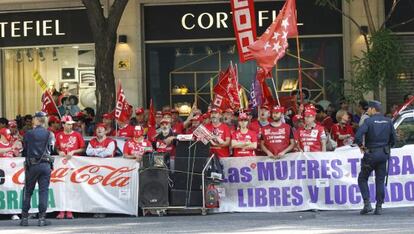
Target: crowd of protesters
270, 131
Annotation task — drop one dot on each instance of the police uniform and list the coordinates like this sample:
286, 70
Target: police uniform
379, 138
36, 150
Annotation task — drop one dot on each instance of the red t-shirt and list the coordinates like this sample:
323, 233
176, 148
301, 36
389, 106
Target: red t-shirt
338, 130
257, 127
310, 139
94, 143
223, 132
178, 128
8, 154
277, 139
132, 147
69, 142
327, 123
126, 131
244, 137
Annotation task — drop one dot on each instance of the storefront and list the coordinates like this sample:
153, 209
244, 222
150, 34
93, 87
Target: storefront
186, 45
57, 44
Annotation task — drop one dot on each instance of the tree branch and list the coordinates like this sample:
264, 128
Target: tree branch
333, 6
371, 24
394, 5
402, 23
115, 14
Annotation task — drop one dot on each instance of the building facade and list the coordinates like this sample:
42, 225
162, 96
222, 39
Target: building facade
174, 50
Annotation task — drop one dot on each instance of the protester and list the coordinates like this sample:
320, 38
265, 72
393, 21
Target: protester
325, 120
4, 123
277, 137
136, 147
228, 118
68, 143
362, 109
125, 129
28, 124
7, 150
311, 137
101, 146
244, 140
54, 125
176, 123
259, 124
195, 123
342, 132
140, 118
221, 132
109, 128
166, 141
89, 120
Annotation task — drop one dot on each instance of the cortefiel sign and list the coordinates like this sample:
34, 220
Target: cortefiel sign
214, 20
44, 28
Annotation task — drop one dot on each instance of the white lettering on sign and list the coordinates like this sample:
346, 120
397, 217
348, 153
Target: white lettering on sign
119, 105
210, 20
39, 28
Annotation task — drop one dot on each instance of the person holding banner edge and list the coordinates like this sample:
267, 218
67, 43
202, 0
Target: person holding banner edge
379, 138
37, 145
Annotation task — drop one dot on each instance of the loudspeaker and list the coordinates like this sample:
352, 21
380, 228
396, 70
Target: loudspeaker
156, 159
179, 181
190, 164
198, 150
153, 187
179, 197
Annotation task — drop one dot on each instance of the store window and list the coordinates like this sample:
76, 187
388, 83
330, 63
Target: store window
182, 73
69, 66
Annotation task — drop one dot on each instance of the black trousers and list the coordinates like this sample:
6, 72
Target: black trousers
39, 173
375, 161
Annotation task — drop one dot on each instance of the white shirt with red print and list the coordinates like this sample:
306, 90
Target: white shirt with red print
101, 149
310, 139
249, 136
133, 147
69, 142
9, 153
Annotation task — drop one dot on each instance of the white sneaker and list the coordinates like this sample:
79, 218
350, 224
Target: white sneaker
15, 217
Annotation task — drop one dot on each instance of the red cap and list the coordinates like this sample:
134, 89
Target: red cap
100, 125
229, 110
159, 113
309, 112
264, 107
6, 133
138, 131
166, 113
12, 124
67, 119
296, 118
107, 116
278, 109
54, 119
165, 121
80, 114
215, 109
243, 116
139, 111
310, 107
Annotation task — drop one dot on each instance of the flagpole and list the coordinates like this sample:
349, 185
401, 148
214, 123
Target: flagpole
237, 87
299, 69
274, 87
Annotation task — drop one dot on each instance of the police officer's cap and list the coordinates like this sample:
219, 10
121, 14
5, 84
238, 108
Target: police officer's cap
40, 114
375, 104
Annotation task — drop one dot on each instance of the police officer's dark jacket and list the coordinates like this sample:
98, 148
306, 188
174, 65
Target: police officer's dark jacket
36, 143
379, 132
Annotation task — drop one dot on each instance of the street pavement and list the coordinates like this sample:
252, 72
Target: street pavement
397, 220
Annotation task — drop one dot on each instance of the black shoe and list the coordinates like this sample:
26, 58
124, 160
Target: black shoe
42, 220
25, 220
378, 209
367, 208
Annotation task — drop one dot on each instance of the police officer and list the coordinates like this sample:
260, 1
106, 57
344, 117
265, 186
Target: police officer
38, 164
379, 138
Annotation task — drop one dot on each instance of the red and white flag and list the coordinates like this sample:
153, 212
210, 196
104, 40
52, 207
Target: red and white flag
123, 111
272, 45
152, 131
227, 90
48, 104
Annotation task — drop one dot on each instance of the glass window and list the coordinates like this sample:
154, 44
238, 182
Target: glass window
173, 66
405, 132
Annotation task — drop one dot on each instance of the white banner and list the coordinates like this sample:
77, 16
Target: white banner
81, 184
303, 181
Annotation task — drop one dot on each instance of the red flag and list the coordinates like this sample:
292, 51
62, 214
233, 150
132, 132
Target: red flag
123, 111
267, 97
226, 90
152, 131
244, 24
289, 102
403, 107
272, 45
48, 104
